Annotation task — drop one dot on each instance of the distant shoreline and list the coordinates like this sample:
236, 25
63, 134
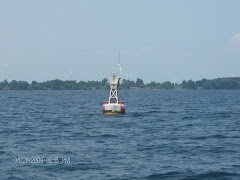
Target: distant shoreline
218, 83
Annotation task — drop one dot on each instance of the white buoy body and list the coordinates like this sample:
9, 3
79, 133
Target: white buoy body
113, 105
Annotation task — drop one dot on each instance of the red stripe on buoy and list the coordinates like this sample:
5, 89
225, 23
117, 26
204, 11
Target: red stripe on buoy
123, 109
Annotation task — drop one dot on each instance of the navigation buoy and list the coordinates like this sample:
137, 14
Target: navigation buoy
113, 105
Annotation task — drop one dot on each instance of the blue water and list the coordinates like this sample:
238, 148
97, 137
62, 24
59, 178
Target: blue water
163, 135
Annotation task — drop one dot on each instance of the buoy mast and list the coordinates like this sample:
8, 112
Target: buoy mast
113, 105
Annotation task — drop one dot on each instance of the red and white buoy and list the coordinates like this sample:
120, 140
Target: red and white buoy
113, 105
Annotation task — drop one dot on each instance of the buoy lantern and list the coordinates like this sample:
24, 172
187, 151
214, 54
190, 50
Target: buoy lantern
113, 105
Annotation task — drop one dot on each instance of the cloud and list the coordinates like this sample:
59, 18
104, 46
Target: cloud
82, 52
101, 52
146, 50
235, 40
237, 36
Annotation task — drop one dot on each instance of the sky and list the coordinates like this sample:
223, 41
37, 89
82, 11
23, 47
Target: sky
158, 40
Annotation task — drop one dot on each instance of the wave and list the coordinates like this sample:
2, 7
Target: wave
168, 175
152, 111
222, 114
184, 176
172, 112
14, 97
213, 175
136, 114
103, 136
187, 117
72, 167
216, 136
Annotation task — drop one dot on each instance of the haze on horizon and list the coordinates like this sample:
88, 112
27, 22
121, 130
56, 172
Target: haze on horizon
158, 40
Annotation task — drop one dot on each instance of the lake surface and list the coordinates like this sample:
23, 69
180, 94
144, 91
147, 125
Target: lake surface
163, 135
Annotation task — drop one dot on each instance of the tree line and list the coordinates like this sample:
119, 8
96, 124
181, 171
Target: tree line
219, 83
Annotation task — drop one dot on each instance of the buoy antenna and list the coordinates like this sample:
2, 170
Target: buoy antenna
119, 65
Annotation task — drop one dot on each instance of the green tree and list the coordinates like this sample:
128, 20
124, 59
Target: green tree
167, 85
152, 85
23, 85
13, 85
189, 85
139, 82
184, 83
